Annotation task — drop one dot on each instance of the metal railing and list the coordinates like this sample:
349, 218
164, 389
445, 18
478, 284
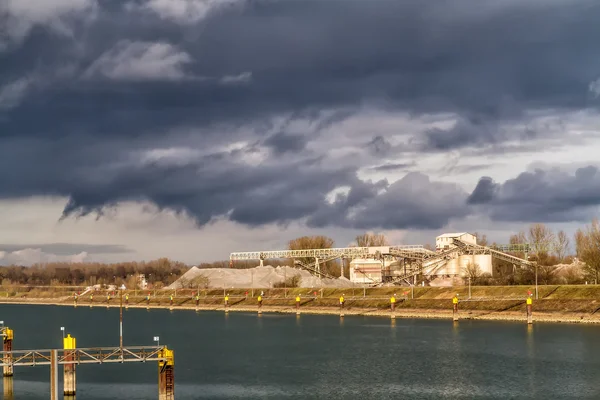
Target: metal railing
98, 355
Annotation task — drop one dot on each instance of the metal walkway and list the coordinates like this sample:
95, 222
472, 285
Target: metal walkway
100, 355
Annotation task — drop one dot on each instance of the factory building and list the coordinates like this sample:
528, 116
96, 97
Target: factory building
444, 242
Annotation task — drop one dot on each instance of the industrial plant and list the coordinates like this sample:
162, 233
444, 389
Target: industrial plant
454, 256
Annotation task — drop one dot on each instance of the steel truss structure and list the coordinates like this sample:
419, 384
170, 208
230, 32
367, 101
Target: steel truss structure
420, 260
98, 355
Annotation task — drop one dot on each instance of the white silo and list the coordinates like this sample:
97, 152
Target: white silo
485, 263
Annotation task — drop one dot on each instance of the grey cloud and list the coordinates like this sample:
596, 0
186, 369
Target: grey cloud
283, 143
484, 192
411, 202
141, 61
304, 57
18, 18
379, 146
65, 249
393, 167
364, 56
184, 11
550, 195
12, 93
595, 88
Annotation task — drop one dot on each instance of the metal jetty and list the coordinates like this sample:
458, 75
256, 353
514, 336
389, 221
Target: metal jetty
70, 356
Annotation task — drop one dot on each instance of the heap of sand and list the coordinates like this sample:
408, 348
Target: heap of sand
258, 277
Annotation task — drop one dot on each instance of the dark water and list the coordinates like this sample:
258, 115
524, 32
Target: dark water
315, 357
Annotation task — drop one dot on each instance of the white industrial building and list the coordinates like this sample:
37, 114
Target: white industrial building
444, 242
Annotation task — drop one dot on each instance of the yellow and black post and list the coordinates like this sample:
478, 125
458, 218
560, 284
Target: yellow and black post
529, 307
75, 297
455, 308
227, 302
126, 300
298, 304
166, 376
7, 340
91, 299
393, 305
171, 301
197, 300
69, 346
260, 304
342, 301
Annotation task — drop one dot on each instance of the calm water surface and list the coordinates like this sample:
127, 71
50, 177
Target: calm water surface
239, 355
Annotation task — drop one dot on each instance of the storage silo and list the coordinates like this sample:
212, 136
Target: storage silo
464, 262
485, 263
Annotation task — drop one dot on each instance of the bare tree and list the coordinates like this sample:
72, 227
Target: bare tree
561, 245
481, 239
473, 271
587, 246
371, 239
518, 238
540, 238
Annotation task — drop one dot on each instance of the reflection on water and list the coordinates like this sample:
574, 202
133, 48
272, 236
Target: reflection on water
273, 356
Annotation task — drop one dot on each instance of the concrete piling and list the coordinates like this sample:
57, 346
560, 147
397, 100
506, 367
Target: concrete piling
166, 376
8, 386
7, 342
69, 343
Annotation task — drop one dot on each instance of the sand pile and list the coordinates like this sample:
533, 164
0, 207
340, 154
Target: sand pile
259, 277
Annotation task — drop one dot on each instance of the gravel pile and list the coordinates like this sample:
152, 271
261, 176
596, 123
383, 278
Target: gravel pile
258, 277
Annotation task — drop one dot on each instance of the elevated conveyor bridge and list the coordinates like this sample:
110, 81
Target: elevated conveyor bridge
420, 261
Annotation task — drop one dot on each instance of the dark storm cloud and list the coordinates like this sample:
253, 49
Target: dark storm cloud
329, 54
67, 249
411, 202
484, 192
97, 99
550, 195
283, 143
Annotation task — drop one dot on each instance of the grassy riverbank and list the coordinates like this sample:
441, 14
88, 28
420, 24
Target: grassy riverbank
556, 303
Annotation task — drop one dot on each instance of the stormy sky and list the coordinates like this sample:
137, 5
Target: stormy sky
134, 129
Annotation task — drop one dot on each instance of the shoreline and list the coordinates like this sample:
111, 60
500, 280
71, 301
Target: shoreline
400, 313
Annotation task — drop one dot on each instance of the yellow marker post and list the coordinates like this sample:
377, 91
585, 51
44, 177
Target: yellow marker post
166, 378
7, 345
342, 301
227, 302
529, 312
455, 308
260, 299
69, 344
298, 304
393, 305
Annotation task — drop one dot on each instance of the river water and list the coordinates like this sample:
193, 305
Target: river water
242, 355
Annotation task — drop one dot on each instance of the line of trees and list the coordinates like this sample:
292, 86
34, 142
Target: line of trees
159, 273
